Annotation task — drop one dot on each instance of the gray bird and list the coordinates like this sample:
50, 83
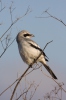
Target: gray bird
29, 50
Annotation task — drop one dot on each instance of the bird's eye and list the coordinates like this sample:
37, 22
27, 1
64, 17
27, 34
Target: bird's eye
25, 35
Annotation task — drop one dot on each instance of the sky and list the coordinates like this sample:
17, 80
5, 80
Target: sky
45, 30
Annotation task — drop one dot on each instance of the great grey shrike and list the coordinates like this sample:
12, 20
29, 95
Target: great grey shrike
29, 50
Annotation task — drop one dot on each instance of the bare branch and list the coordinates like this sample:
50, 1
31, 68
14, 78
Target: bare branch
7, 46
55, 18
2, 8
12, 23
8, 28
11, 11
3, 52
54, 81
46, 11
26, 70
35, 68
2, 45
28, 11
18, 79
19, 82
53, 95
34, 91
9, 86
35, 60
47, 44
25, 91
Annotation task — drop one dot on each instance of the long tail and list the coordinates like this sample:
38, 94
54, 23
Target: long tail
49, 70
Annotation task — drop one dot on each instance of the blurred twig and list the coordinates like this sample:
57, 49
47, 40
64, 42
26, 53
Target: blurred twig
54, 80
18, 79
27, 89
46, 11
12, 23
7, 46
9, 86
34, 92
53, 95
2, 8
28, 11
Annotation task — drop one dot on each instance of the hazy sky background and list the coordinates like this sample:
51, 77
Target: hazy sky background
45, 30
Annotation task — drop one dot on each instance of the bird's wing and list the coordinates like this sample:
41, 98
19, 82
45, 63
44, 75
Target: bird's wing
34, 45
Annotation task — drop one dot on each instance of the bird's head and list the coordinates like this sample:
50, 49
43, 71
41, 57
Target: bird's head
23, 34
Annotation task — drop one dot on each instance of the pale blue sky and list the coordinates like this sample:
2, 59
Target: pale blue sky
45, 30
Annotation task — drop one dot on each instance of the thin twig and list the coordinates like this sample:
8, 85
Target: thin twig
46, 11
28, 11
54, 80
18, 79
25, 91
9, 86
19, 82
33, 70
12, 23
2, 8
34, 91
7, 48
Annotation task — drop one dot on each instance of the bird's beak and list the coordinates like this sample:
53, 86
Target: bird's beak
32, 35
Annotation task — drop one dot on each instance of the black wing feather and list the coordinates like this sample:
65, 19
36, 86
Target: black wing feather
39, 50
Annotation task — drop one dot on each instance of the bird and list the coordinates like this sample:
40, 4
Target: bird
29, 50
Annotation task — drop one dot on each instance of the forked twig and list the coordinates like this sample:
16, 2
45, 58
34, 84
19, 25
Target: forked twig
46, 11
28, 11
54, 80
9, 86
18, 79
12, 23
7, 47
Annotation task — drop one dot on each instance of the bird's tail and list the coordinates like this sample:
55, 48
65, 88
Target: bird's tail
49, 70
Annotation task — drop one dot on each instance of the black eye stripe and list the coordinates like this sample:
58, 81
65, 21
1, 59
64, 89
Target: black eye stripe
25, 35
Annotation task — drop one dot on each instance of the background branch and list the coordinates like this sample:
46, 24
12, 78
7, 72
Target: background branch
12, 23
46, 11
